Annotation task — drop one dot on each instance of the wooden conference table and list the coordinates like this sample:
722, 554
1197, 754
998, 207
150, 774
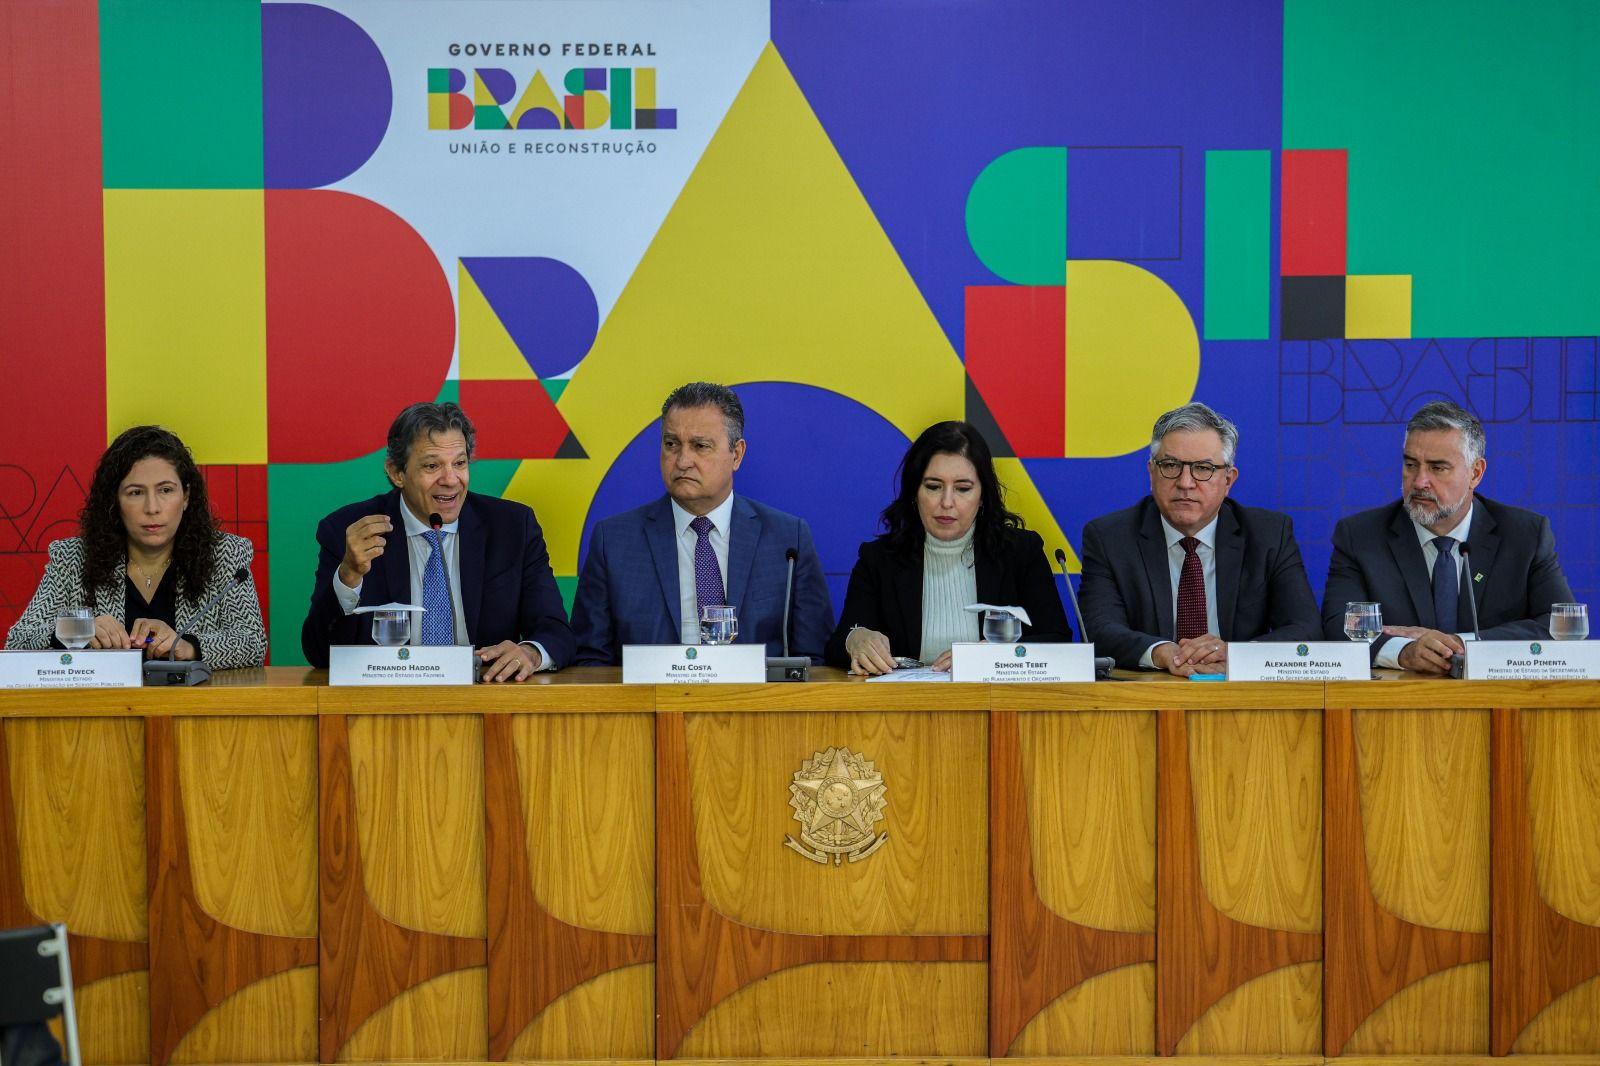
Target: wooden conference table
267, 869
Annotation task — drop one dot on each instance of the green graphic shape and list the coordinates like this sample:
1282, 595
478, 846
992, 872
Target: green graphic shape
180, 94
1238, 245
622, 98
1474, 142
1017, 216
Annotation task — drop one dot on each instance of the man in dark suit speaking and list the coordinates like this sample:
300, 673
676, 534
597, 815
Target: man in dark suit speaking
481, 573
1406, 555
1168, 582
648, 571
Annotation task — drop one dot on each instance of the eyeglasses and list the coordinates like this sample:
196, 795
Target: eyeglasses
1200, 471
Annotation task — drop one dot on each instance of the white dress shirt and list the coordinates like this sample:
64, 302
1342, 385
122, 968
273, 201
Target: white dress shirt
1208, 565
688, 603
1389, 655
419, 548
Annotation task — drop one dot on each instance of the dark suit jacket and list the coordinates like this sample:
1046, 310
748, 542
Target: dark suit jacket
1376, 558
628, 589
885, 593
507, 589
1262, 589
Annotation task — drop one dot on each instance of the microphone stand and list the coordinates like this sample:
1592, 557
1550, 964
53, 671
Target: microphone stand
1103, 664
788, 667
169, 671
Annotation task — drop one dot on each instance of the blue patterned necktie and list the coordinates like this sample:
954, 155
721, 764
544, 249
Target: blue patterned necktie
707, 574
438, 616
1446, 587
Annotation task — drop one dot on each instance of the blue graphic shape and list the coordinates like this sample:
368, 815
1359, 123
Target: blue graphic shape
790, 464
325, 96
917, 106
499, 82
1125, 203
547, 307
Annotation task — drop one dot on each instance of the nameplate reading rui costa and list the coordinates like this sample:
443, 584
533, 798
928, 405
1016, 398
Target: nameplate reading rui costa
1317, 660
694, 664
1533, 660
367, 664
1001, 664
80, 668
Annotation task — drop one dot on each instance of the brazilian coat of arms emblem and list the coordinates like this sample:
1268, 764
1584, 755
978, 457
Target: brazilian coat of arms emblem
837, 798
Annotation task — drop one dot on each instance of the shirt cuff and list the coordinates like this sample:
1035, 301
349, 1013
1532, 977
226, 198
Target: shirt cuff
544, 656
1147, 660
349, 598
1388, 656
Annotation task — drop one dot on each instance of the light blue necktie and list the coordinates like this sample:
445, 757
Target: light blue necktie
438, 616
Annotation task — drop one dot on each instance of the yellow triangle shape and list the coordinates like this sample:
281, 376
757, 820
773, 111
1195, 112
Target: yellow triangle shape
769, 267
487, 351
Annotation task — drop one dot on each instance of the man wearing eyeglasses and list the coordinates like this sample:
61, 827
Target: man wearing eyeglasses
1407, 555
1168, 582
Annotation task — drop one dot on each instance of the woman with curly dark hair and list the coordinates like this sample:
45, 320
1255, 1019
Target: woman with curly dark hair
948, 541
148, 557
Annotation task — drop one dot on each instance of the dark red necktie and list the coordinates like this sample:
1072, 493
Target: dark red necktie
1191, 592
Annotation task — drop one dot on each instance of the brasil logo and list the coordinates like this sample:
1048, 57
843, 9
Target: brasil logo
691, 653
403, 654
1021, 651
486, 98
1535, 648
1301, 650
66, 658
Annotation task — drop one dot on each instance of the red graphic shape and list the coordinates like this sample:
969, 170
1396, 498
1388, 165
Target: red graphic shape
1016, 356
514, 419
1314, 197
52, 280
360, 323
239, 502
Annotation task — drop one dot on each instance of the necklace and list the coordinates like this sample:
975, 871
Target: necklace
149, 580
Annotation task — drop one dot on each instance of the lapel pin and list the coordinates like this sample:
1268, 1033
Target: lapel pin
1477, 577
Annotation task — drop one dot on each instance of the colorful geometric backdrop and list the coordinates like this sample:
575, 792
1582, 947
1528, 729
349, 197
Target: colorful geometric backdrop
269, 226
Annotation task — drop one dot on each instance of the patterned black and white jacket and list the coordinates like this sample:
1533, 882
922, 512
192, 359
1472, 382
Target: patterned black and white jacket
231, 636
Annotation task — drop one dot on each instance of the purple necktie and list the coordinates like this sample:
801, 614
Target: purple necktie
707, 574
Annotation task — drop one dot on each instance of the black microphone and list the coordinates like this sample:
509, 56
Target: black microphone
436, 523
1458, 663
788, 667
1103, 664
169, 671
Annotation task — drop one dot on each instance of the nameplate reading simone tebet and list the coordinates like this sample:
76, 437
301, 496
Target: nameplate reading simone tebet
837, 798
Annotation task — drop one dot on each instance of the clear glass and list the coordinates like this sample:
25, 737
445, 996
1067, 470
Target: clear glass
718, 625
390, 629
1363, 621
999, 627
1569, 621
75, 627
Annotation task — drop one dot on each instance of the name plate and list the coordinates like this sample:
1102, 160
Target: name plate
71, 669
694, 664
1317, 660
1532, 660
1004, 664
368, 664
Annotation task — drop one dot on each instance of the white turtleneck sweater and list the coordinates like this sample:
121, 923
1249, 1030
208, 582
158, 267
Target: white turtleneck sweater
949, 583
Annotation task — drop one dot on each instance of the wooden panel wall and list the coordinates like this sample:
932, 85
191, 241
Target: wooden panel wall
1413, 872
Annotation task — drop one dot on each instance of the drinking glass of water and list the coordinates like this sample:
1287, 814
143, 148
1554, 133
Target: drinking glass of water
1001, 627
1568, 621
1363, 621
718, 625
75, 626
390, 629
